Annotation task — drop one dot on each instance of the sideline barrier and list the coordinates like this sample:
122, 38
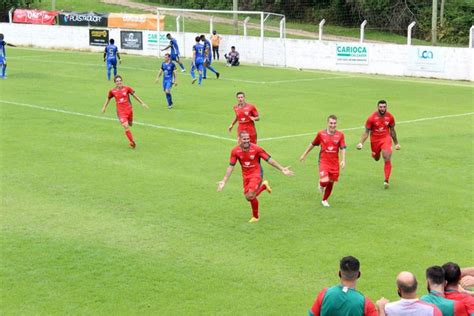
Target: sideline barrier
83, 19
135, 21
34, 16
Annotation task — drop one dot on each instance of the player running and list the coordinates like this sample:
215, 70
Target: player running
3, 56
331, 141
208, 60
199, 54
381, 126
174, 51
169, 78
249, 156
110, 56
122, 94
246, 115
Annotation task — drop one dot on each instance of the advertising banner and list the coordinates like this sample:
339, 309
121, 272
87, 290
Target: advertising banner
34, 16
98, 37
135, 21
352, 54
131, 40
83, 19
153, 43
425, 59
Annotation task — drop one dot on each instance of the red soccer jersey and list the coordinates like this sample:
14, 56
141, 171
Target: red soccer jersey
467, 299
122, 97
330, 145
249, 159
244, 113
379, 126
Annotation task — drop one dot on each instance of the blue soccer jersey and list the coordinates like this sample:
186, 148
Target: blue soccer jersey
111, 52
2, 50
198, 50
168, 70
174, 47
207, 46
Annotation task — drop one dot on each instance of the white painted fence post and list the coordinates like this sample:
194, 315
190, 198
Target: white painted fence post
321, 24
410, 27
362, 30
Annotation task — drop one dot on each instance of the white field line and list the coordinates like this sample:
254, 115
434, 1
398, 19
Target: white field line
361, 127
366, 76
178, 130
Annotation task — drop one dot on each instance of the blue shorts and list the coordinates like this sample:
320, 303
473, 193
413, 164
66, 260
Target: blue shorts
174, 57
209, 61
167, 84
111, 62
2, 60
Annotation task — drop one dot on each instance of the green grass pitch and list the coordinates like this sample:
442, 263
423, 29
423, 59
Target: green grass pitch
90, 226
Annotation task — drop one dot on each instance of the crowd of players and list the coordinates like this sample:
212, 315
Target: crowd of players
447, 286
380, 126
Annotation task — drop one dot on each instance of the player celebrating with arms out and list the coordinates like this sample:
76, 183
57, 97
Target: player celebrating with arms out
331, 141
169, 78
174, 51
246, 115
249, 156
3, 56
122, 94
381, 126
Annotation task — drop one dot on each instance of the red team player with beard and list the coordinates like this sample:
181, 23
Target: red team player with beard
331, 141
249, 156
122, 94
246, 115
381, 126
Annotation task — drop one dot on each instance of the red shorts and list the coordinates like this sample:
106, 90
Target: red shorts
125, 117
252, 183
378, 145
249, 129
330, 171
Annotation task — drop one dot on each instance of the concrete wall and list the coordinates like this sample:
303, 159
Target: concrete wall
370, 58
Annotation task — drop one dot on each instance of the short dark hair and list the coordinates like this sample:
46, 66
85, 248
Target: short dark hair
232, 47
349, 268
452, 273
112, 41
198, 38
243, 132
435, 274
332, 116
240, 93
168, 35
202, 36
214, 32
1, 37
408, 288
118, 76
381, 102
167, 54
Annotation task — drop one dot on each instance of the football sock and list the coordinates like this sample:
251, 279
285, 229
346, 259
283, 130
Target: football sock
129, 135
108, 73
212, 69
204, 72
168, 98
254, 204
328, 190
181, 66
200, 78
4, 70
323, 184
115, 71
387, 168
261, 189
192, 72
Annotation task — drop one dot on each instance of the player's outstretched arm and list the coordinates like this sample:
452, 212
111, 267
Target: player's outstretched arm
363, 138
11, 45
167, 47
140, 100
158, 75
119, 58
232, 124
106, 103
228, 173
175, 78
306, 152
393, 134
285, 170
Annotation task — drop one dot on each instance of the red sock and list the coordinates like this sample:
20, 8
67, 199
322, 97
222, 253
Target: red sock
129, 135
387, 168
261, 189
254, 204
323, 184
328, 190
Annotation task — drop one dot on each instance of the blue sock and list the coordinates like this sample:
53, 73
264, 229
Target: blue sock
168, 98
192, 73
200, 78
108, 73
181, 66
4, 70
205, 72
115, 71
212, 69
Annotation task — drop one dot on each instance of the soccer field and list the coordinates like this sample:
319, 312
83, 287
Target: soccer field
90, 226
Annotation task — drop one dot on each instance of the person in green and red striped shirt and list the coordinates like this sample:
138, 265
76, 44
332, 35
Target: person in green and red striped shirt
344, 299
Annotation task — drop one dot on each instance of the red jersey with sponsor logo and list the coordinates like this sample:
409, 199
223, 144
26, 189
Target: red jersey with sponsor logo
330, 145
122, 98
379, 126
244, 113
467, 299
249, 159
